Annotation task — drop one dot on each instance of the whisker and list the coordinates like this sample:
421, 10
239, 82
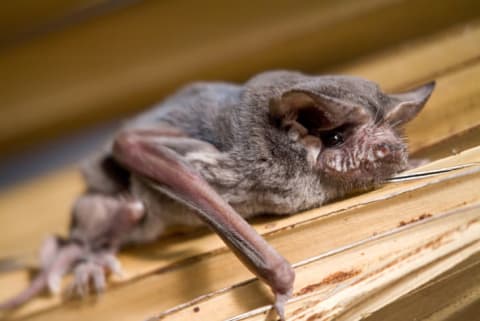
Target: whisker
419, 175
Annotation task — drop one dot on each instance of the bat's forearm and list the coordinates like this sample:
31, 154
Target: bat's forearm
169, 172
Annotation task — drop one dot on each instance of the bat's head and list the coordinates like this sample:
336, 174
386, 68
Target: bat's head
350, 129
103, 221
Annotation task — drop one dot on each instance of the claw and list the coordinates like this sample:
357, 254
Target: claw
98, 276
112, 264
93, 273
80, 283
86, 274
279, 305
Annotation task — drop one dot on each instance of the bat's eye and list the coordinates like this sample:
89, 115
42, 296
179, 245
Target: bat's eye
333, 138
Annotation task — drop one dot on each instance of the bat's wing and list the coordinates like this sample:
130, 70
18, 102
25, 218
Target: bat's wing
152, 155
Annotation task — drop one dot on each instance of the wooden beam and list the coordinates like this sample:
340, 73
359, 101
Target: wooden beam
452, 145
449, 297
358, 281
419, 61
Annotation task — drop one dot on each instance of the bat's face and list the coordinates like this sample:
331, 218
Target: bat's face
359, 156
351, 130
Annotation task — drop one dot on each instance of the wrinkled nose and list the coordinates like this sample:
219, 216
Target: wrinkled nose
383, 150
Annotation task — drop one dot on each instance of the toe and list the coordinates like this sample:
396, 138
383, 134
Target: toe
98, 278
110, 262
81, 281
114, 265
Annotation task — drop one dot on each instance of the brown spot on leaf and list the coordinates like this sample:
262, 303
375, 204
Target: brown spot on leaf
315, 316
330, 279
473, 221
298, 311
433, 244
307, 305
196, 309
340, 276
415, 219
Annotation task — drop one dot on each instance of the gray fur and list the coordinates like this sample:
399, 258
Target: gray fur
258, 166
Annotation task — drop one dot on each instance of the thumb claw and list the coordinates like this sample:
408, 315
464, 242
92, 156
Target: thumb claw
279, 305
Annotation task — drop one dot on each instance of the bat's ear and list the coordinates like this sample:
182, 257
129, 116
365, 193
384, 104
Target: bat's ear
319, 110
407, 105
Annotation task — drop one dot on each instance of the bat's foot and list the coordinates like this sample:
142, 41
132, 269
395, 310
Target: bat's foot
90, 274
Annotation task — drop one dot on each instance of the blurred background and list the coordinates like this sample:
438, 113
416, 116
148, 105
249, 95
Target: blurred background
72, 70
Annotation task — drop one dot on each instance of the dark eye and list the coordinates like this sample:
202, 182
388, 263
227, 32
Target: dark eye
333, 138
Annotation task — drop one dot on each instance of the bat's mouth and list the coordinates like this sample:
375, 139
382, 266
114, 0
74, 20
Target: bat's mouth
374, 167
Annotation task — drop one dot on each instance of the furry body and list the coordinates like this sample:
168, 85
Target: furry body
254, 166
281, 143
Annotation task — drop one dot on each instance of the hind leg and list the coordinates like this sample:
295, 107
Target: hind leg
91, 274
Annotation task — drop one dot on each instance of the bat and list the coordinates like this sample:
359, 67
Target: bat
218, 153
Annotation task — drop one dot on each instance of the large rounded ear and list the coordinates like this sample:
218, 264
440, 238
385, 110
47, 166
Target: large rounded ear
316, 109
408, 104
